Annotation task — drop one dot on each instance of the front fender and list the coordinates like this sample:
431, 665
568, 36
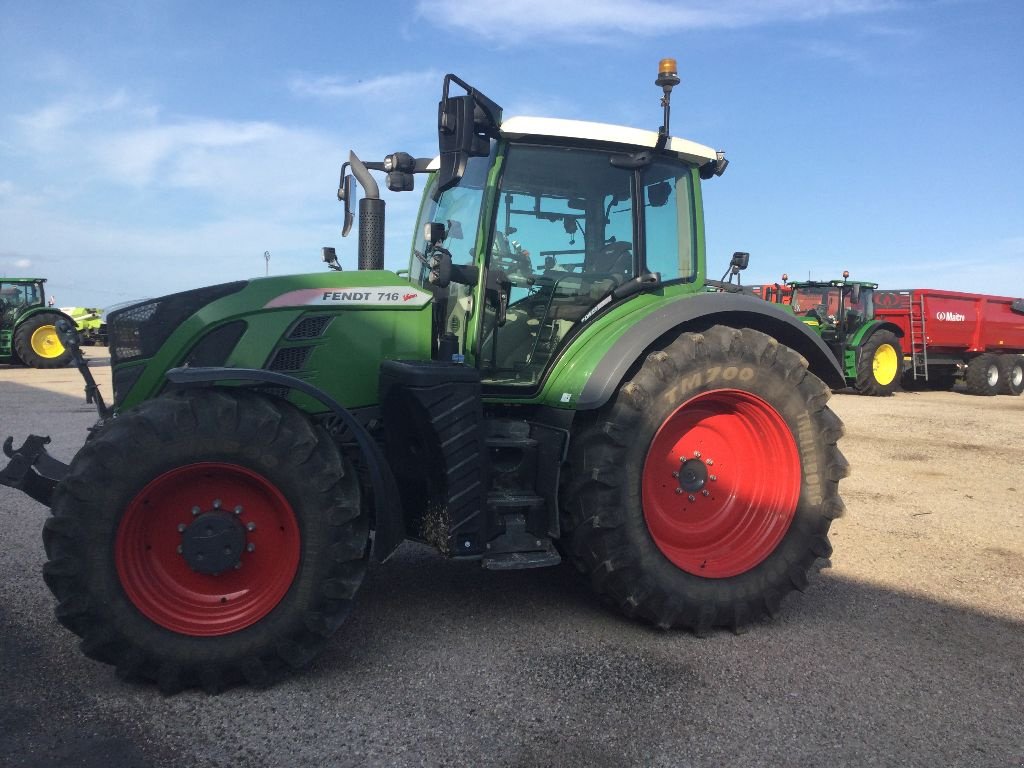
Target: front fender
698, 313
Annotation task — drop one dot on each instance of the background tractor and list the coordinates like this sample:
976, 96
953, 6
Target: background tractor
28, 327
842, 312
548, 379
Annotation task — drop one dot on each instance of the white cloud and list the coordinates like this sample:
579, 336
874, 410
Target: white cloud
384, 87
23, 263
584, 20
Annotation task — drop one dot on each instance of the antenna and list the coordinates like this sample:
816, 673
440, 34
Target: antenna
266, 258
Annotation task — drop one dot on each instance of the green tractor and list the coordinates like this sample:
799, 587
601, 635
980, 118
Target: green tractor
548, 380
28, 327
843, 313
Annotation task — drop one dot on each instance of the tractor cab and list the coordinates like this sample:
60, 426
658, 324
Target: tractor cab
837, 309
570, 226
531, 228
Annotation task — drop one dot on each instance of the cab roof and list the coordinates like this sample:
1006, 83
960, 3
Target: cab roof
523, 127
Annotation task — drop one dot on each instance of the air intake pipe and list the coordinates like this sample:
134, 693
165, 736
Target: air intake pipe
371, 217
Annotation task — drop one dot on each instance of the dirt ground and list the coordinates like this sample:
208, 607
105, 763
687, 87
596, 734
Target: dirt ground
907, 649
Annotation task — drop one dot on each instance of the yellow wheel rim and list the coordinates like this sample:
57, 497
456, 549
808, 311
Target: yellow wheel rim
46, 343
885, 364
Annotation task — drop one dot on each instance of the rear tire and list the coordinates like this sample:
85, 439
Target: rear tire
984, 376
879, 364
752, 426
123, 525
37, 343
1011, 371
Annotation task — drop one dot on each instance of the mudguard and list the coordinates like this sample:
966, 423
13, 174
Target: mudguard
389, 529
697, 313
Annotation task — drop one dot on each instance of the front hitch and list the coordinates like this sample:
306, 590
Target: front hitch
31, 469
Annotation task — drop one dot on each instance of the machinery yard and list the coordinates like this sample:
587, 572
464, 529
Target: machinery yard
906, 649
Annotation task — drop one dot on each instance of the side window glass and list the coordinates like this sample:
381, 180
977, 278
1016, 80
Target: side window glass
668, 213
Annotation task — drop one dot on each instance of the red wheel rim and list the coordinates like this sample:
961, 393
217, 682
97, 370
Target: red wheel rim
159, 581
737, 516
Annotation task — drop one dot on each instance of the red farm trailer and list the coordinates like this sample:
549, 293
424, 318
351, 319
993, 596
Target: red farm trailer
948, 334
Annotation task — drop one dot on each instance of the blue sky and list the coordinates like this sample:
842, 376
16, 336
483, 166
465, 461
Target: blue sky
154, 146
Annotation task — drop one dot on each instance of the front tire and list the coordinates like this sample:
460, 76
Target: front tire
879, 365
131, 552
37, 343
730, 412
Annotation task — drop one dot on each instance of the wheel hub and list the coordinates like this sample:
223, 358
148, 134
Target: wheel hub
213, 542
693, 474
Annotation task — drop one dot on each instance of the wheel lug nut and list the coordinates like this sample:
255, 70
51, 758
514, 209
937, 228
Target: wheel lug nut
196, 511
181, 527
696, 454
714, 477
678, 491
675, 474
216, 503
250, 526
705, 492
238, 565
250, 547
238, 509
691, 497
709, 462
180, 550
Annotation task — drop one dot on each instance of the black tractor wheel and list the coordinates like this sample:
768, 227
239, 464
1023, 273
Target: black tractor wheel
703, 492
984, 376
206, 538
1011, 372
879, 364
37, 344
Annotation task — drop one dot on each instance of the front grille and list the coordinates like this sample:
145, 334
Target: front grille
290, 359
141, 329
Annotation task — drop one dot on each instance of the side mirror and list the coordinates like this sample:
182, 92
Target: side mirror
346, 194
658, 194
464, 126
740, 260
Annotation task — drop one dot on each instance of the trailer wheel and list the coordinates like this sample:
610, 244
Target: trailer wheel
1011, 372
37, 343
703, 492
984, 375
206, 538
879, 364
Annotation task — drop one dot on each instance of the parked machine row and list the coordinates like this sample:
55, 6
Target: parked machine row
919, 338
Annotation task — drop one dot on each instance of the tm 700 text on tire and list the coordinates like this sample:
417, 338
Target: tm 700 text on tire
37, 344
703, 492
131, 551
879, 364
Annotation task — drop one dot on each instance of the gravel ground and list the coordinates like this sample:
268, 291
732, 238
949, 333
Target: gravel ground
906, 649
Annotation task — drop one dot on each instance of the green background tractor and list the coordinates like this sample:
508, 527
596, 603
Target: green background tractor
843, 313
548, 380
28, 327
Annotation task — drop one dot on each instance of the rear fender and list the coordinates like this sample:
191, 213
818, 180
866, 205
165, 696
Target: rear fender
698, 313
389, 528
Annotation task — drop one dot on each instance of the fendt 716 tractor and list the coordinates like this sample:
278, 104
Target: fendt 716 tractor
843, 313
548, 380
28, 328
